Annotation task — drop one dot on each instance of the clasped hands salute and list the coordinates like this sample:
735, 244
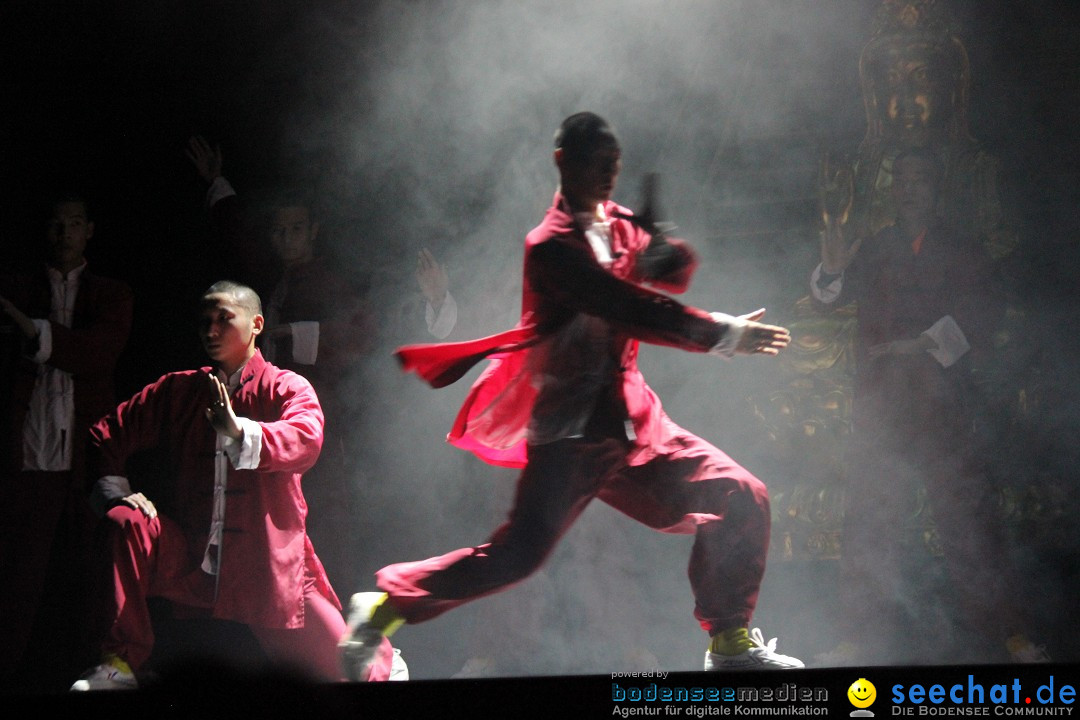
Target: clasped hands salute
220, 414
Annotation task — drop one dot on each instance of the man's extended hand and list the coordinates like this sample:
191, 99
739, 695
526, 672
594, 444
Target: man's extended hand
206, 159
220, 412
431, 276
836, 254
761, 339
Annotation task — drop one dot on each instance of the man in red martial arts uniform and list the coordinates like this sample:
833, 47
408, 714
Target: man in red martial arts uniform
564, 400
63, 328
928, 306
237, 437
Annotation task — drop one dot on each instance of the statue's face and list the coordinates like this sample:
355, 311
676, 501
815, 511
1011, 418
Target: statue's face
914, 87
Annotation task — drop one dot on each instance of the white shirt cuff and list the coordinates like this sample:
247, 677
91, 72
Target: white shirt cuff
733, 330
950, 339
305, 341
440, 326
244, 453
830, 292
219, 190
106, 491
44, 350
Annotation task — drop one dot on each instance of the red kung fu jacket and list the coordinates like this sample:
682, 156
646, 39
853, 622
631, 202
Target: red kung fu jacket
265, 547
563, 280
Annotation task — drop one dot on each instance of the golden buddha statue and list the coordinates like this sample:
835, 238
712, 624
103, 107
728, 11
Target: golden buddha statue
915, 79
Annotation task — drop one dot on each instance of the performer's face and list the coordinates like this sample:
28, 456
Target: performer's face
228, 329
292, 234
590, 180
914, 188
67, 233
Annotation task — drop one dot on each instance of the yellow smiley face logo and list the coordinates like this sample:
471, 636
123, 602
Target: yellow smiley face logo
862, 693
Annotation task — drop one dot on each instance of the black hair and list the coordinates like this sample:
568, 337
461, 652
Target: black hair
294, 196
57, 199
581, 133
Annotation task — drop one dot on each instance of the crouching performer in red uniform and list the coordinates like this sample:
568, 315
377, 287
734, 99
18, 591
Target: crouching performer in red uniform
563, 399
236, 437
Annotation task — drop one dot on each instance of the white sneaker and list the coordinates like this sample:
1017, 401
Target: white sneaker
762, 656
398, 669
105, 676
360, 643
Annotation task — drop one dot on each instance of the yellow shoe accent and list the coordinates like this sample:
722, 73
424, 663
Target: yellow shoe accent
385, 617
1022, 650
1016, 643
117, 662
732, 641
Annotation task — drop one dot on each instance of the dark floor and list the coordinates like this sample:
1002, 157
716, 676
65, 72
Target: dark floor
798, 604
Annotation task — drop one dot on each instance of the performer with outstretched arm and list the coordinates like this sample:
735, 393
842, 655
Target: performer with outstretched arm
563, 399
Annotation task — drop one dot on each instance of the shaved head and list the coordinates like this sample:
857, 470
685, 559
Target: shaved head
242, 295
